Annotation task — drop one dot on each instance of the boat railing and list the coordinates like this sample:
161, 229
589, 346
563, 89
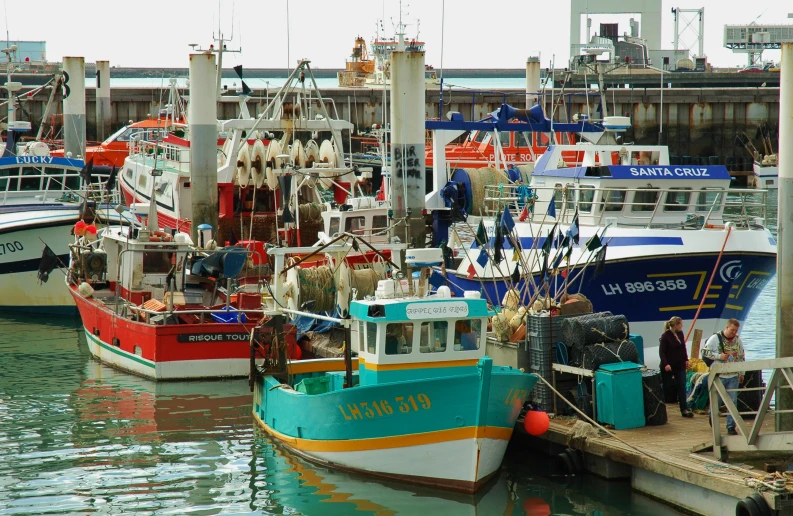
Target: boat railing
745, 208
161, 150
46, 186
124, 304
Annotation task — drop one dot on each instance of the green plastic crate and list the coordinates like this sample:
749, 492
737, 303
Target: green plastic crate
318, 385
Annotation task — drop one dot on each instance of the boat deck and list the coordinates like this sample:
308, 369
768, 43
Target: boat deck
668, 451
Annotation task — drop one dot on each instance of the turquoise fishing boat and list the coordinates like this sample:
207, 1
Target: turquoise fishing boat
421, 403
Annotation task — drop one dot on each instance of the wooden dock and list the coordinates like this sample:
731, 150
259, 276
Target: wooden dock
660, 463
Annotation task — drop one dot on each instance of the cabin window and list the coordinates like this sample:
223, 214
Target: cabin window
480, 136
558, 195
398, 338
129, 173
645, 199
142, 180
645, 157
55, 178
466, 334
371, 337
434, 335
355, 225
520, 141
361, 336
379, 223
125, 136
31, 179
613, 200
571, 190
709, 198
504, 138
13, 183
156, 262
543, 139
677, 199
334, 226
586, 196
162, 188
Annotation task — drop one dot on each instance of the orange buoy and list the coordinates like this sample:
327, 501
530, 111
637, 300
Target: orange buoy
79, 228
536, 507
90, 232
536, 422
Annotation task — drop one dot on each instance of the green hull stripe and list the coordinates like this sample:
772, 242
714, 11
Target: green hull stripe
119, 352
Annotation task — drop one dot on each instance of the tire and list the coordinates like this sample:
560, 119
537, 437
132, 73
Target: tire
748, 507
765, 510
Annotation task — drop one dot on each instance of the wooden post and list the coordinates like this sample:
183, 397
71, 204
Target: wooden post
695, 343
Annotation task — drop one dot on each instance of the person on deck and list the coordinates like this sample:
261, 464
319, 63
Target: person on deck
674, 359
726, 346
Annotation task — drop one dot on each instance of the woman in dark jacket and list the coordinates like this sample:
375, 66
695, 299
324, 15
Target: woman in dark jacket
674, 359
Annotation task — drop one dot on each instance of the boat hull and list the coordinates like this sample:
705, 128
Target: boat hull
23, 232
765, 177
448, 432
164, 352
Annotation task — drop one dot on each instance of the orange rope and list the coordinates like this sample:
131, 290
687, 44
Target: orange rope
712, 275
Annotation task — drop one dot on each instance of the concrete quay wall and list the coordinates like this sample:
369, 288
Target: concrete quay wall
692, 121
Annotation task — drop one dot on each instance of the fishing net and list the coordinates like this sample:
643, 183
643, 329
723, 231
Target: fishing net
653, 390
597, 355
592, 329
480, 178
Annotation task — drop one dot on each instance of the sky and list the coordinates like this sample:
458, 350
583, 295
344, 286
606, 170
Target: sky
473, 34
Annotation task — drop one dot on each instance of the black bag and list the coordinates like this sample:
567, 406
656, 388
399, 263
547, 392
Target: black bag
709, 361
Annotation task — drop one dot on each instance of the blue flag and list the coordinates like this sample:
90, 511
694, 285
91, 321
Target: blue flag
482, 258
507, 221
573, 231
552, 207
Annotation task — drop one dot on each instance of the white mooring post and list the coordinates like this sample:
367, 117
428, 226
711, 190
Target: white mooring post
103, 112
784, 315
532, 80
74, 106
407, 144
202, 119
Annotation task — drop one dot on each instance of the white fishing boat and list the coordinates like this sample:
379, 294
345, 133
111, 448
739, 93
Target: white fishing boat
679, 240
41, 198
268, 167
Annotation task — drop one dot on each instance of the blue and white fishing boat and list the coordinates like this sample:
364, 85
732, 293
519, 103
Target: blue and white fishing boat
421, 403
41, 198
679, 241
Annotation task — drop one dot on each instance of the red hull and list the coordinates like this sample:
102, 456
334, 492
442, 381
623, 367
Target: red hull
174, 351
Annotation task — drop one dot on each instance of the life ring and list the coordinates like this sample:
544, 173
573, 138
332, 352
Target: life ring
160, 236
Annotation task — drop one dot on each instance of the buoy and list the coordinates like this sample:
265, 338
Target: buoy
90, 232
536, 422
536, 507
295, 353
79, 228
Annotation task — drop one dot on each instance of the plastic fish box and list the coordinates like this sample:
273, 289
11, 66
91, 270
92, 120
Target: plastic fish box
231, 315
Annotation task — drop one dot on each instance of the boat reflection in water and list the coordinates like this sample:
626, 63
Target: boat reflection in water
136, 444
526, 484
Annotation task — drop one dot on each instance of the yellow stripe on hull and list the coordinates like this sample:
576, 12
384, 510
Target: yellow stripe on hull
381, 443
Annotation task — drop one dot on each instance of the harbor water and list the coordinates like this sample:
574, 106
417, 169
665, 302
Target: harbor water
77, 437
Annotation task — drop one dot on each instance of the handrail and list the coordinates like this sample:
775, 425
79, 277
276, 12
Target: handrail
498, 196
749, 439
56, 184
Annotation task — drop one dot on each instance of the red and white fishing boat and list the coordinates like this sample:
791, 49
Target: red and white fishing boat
154, 304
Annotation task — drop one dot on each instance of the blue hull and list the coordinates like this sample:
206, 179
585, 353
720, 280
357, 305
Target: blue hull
655, 289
